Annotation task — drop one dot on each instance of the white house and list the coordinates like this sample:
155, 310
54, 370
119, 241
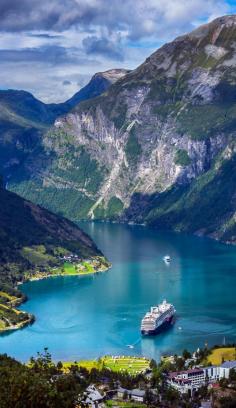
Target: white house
215, 373
225, 368
92, 396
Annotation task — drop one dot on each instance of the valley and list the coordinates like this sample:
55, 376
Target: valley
157, 147
117, 204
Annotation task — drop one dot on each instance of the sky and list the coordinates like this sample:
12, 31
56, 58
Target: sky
51, 48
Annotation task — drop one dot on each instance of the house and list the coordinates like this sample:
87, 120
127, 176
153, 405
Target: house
215, 373
92, 397
226, 367
135, 394
121, 392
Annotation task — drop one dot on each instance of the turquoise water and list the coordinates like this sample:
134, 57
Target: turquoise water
85, 317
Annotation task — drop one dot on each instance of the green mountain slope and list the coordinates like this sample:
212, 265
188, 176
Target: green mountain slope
204, 207
152, 148
32, 238
33, 242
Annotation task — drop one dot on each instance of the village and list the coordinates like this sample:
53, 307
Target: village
177, 381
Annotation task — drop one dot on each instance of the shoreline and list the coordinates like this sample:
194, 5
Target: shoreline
104, 266
56, 275
197, 234
18, 326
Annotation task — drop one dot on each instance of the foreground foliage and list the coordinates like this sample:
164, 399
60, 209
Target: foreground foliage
44, 384
39, 385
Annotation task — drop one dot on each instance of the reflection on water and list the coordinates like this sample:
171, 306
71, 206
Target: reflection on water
82, 317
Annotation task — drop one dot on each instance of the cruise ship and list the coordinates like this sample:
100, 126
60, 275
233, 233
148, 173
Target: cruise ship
159, 318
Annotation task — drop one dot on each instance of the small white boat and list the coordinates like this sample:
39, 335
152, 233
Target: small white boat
167, 259
130, 346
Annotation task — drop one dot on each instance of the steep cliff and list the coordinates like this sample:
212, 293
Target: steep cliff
24, 119
157, 147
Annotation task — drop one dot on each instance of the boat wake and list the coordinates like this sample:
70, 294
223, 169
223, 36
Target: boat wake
131, 346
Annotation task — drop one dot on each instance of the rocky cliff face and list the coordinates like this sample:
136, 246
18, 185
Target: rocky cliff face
24, 119
155, 145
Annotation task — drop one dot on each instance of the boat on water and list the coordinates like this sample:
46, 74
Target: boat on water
167, 258
158, 319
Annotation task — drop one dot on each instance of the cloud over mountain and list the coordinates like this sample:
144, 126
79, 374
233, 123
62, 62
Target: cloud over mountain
83, 36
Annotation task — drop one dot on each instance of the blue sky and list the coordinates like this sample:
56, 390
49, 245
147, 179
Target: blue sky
52, 48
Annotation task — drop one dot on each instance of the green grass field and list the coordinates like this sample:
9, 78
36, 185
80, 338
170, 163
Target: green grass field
223, 353
69, 269
74, 269
132, 365
90, 266
88, 364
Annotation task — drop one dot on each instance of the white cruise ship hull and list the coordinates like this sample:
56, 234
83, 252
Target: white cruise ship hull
167, 323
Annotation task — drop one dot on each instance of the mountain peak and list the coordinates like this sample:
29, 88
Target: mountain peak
209, 48
98, 84
158, 146
212, 31
112, 75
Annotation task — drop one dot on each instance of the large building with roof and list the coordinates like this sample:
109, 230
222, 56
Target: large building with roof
190, 380
214, 373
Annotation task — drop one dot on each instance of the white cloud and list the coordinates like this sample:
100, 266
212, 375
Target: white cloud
69, 40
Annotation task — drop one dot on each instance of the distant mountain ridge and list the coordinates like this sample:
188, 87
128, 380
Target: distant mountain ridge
98, 84
23, 119
158, 147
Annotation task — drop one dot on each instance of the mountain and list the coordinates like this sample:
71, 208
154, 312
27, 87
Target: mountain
158, 147
33, 239
24, 119
33, 242
98, 84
